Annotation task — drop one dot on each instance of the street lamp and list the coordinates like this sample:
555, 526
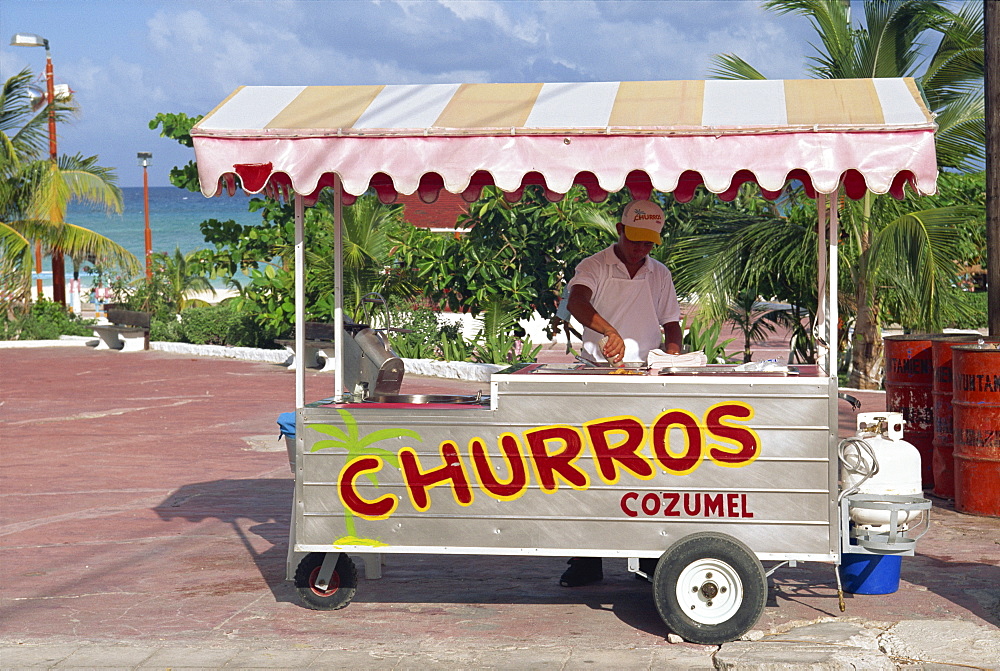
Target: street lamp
58, 263
32, 40
145, 158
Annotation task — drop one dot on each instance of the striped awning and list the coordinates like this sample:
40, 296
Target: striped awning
874, 134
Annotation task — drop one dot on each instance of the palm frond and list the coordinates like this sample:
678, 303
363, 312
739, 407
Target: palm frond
589, 215
915, 253
79, 242
15, 268
836, 59
958, 64
25, 129
731, 66
890, 46
961, 136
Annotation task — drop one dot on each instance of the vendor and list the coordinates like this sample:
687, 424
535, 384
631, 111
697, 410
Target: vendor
623, 298
628, 306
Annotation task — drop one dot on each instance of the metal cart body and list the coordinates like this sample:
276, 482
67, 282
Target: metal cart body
583, 464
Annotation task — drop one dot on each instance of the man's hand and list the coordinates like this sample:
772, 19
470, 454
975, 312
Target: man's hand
613, 347
674, 337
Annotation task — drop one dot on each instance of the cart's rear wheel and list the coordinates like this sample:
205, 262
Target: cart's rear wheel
340, 591
709, 588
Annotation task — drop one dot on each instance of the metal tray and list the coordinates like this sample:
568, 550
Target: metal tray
729, 371
429, 398
590, 369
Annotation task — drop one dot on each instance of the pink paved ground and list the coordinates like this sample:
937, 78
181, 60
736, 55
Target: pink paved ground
145, 496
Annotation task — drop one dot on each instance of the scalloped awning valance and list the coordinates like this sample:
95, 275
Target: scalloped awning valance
672, 136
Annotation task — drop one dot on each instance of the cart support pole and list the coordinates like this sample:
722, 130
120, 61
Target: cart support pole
338, 289
821, 327
834, 310
300, 307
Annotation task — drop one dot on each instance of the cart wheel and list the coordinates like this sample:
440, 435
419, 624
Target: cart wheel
343, 582
709, 588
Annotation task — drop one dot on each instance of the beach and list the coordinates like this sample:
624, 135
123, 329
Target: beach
175, 216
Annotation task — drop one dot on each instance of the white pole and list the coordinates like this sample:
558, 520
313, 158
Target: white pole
821, 327
338, 289
834, 310
300, 304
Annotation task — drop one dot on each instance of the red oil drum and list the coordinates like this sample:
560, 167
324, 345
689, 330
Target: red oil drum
976, 407
942, 463
909, 382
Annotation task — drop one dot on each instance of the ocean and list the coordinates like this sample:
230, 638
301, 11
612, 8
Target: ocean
174, 216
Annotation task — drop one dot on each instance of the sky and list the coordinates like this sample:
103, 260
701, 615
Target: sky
127, 60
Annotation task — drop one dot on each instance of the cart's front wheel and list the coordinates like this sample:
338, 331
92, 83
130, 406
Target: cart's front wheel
709, 588
340, 591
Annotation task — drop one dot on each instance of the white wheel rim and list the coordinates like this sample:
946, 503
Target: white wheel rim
709, 591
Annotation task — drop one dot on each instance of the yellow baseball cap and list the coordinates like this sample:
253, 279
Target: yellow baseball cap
643, 221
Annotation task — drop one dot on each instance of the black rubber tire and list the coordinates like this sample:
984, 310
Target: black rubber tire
714, 566
343, 582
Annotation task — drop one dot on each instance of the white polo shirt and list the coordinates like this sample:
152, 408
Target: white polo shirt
594, 270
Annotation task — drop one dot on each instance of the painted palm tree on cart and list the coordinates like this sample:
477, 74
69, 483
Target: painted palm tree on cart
889, 249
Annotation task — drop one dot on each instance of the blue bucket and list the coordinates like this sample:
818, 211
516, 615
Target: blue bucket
286, 424
870, 574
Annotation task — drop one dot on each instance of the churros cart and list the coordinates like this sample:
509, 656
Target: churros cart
708, 470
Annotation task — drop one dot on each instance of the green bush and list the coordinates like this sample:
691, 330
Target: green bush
208, 325
423, 340
246, 331
700, 336
167, 329
223, 325
454, 346
46, 320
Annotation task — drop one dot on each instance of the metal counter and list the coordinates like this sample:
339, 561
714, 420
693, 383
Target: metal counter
563, 461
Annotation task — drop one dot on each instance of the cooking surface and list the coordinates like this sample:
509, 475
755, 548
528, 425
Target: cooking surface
635, 369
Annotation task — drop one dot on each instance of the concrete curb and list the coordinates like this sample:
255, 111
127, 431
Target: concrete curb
224, 352
64, 341
824, 643
453, 370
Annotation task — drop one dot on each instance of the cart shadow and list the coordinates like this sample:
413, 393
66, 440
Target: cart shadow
972, 586
261, 508
508, 580
258, 507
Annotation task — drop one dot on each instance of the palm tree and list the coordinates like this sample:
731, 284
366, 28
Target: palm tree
890, 46
182, 274
35, 191
736, 253
754, 319
367, 252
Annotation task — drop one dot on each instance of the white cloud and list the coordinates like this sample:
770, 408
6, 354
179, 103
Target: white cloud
526, 29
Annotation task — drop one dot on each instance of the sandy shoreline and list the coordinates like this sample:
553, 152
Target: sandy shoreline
80, 301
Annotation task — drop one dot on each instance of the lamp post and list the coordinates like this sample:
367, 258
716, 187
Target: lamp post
58, 263
145, 158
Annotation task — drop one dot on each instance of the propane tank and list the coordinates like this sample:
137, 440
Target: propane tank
897, 467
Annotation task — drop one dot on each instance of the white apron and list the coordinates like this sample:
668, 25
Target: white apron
628, 306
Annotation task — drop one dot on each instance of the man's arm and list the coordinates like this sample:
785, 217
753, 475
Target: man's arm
580, 306
674, 336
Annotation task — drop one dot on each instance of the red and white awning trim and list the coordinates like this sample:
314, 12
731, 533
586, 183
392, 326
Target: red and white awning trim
670, 136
